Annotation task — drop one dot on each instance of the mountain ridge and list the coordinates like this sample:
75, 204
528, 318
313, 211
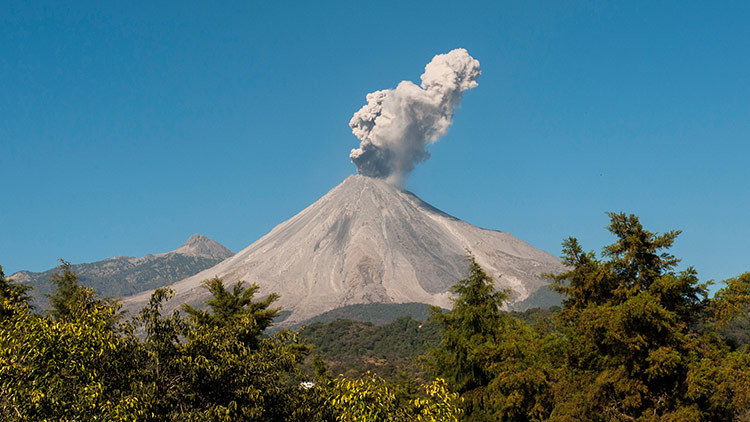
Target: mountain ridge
125, 275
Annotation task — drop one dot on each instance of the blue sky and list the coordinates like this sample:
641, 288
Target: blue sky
128, 127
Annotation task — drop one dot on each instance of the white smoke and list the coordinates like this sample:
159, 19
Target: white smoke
396, 125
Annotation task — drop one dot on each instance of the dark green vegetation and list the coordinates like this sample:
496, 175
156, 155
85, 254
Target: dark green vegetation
395, 350
738, 331
634, 340
391, 350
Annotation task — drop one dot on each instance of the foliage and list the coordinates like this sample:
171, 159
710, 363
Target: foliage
367, 399
71, 299
731, 302
472, 321
392, 350
12, 294
440, 406
63, 370
635, 330
634, 340
216, 366
737, 331
468, 329
78, 364
370, 399
235, 308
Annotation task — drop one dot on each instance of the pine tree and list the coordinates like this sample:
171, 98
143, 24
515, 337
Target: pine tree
468, 328
635, 331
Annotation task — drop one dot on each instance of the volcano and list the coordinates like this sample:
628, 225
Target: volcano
367, 241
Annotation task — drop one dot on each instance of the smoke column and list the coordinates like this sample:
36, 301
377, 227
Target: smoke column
396, 125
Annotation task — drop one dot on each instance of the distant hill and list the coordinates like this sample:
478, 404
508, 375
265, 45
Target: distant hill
376, 313
126, 275
390, 349
353, 347
544, 297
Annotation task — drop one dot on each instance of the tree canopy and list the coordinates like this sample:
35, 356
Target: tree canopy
81, 362
635, 340
12, 294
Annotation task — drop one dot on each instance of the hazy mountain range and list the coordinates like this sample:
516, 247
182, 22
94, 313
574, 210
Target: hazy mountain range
127, 275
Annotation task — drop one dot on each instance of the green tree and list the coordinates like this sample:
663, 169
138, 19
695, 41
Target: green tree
468, 330
321, 370
501, 366
731, 302
77, 368
524, 363
12, 293
230, 307
218, 365
69, 296
634, 340
635, 332
369, 398
72, 299
159, 379
81, 366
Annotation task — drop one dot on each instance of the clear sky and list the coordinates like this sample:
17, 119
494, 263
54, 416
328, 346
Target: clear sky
128, 127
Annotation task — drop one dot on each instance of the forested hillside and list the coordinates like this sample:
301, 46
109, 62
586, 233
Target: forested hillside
391, 350
395, 350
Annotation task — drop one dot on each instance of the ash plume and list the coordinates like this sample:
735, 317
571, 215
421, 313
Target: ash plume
396, 125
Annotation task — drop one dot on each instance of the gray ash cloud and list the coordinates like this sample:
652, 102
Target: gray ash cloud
396, 125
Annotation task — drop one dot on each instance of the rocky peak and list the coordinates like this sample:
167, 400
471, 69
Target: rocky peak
199, 245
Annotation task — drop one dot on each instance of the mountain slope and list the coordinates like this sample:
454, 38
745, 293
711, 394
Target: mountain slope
367, 241
124, 275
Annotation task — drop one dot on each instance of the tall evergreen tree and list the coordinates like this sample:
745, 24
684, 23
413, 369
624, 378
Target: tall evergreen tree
468, 328
634, 331
471, 322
